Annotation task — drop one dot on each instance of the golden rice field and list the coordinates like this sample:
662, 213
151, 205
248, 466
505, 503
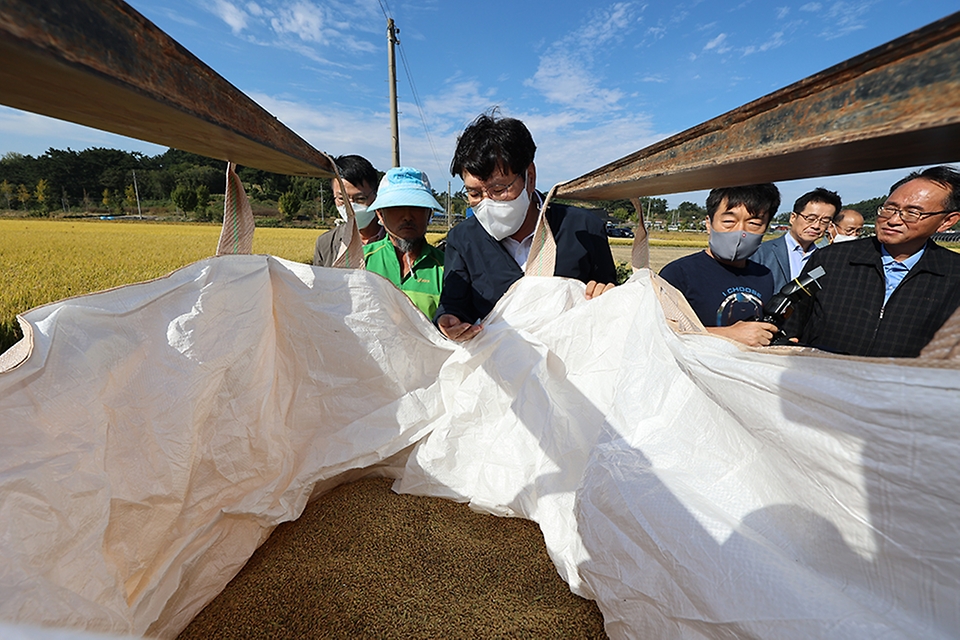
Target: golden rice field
48, 260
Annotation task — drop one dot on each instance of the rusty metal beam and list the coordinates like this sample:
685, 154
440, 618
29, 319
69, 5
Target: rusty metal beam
101, 64
895, 106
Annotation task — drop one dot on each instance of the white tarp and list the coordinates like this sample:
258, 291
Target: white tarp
695, 489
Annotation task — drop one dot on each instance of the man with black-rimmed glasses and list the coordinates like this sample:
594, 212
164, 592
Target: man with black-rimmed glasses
887, 295
787, 255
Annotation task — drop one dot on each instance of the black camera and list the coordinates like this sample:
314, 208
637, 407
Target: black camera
781, 305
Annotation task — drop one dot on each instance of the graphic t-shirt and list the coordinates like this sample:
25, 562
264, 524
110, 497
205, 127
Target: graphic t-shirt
720, 294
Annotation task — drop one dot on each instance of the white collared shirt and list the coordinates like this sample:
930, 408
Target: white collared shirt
519, 250
798, 257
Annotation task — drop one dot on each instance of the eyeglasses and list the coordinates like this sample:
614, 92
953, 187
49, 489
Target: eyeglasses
888, 211
492, 192
360, 198
849, 232
811, 219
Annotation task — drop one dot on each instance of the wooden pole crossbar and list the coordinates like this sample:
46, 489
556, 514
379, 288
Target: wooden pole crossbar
895, 106
101, 64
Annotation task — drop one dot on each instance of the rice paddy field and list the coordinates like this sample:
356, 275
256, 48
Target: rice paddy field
48, 260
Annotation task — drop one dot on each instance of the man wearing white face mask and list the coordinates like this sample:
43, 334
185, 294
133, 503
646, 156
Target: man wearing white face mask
724, 288
360, 186
846, 226
487, 253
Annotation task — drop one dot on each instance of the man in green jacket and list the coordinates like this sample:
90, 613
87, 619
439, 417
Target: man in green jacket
404, 205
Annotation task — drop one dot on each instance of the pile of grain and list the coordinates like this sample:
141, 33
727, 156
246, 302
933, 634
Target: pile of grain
364, 562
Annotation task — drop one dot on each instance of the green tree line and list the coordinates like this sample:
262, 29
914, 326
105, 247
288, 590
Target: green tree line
101, 180
690, 216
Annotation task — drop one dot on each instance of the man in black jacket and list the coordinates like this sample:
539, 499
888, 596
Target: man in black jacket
487, 253
887, 296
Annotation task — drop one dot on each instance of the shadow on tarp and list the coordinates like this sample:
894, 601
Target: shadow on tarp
779, 496
675, 475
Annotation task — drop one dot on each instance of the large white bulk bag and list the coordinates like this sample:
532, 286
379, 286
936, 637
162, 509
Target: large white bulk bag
158, 432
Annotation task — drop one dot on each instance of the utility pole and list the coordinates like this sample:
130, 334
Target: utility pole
136, 191
392, 41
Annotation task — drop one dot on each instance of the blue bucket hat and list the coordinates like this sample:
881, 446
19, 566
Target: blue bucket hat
405, 187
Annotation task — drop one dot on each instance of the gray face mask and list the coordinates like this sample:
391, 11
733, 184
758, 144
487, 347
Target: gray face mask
732, 246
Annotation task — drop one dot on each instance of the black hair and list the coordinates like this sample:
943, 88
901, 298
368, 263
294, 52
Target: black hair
356, 170
491, 142
819, 195
761, 200
945, 176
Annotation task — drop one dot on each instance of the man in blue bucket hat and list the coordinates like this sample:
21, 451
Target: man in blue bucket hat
404, 205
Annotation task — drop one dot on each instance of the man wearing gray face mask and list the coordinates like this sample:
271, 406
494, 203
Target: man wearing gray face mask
724, 287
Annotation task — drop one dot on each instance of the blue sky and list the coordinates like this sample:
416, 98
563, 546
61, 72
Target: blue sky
593, 81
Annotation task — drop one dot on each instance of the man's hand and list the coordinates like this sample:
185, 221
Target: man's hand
596, 289
752, 334
455, 329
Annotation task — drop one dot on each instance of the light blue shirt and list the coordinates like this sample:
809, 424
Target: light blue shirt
798, 257
894, 272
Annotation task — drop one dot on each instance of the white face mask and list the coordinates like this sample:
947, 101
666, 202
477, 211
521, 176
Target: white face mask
502, 218
842, 238
364, 217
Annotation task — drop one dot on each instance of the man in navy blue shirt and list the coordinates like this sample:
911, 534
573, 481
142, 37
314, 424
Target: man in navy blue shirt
487, 252
725, 289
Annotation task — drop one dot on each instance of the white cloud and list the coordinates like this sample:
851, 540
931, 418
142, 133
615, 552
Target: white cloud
32, 134
234, 16
303, 19
302, 26
596, 139
564, 80
566, 74
334, 130
656, 33
782, 12
177, 17
812, 7
774, 41
607, 24
596, 144
461, 100
717, 43
844, 18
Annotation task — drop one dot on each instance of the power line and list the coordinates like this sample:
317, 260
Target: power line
387, 14
416, 99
